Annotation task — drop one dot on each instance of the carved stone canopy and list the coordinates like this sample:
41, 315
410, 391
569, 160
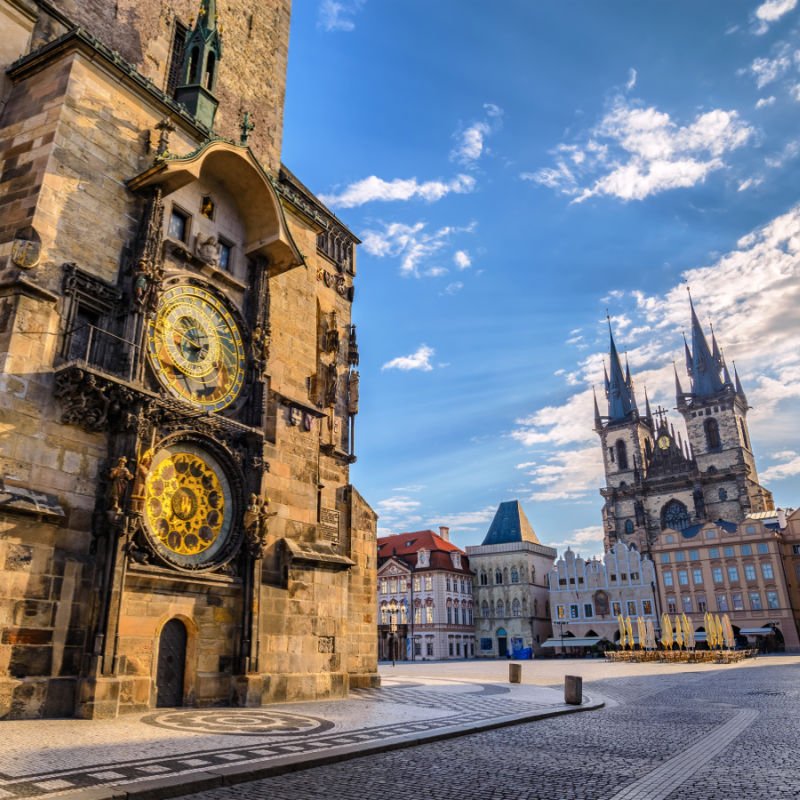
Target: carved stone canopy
259, 207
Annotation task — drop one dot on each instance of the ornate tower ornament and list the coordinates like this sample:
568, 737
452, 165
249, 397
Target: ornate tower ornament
202, 53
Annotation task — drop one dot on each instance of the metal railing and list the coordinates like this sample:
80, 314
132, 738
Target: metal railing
101, 349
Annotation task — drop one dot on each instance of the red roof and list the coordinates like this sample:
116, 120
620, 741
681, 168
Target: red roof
405, 546
405, 543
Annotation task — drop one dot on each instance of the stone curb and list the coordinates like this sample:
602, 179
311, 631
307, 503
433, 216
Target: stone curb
191, 782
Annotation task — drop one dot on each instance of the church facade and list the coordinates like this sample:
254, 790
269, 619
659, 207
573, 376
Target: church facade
656, 480
178, 373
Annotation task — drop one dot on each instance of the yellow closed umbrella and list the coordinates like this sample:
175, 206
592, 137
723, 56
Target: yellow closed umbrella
678, 631
642, 632
730, 639
688, 639
621, 623
629, 629
709, 625
666, 631
719, 631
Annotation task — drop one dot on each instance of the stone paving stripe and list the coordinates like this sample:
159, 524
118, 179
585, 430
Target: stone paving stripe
51, 786
173, 786
662, 781
106, 776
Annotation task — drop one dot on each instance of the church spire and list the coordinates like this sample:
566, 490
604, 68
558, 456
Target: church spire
619, 387
678, 387
703, 365
202, 52
598, 423
647, 412
738, 385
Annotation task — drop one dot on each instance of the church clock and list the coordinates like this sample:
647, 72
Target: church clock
188, 506
195, 348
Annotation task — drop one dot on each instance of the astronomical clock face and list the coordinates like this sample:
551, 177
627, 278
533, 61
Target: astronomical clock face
188, 505
664, 442
196, 349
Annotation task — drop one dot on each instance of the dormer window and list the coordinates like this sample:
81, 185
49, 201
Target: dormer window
456, 559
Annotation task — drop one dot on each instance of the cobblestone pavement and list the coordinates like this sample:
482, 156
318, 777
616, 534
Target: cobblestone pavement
694, 735
43, 757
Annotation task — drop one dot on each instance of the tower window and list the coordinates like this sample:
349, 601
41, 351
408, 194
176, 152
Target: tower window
176, 58
744, 433
711, 427
628, 526
622, 455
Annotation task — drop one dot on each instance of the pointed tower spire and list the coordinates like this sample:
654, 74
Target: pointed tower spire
647, 412
705, 369
738, 384
598, 423
202, 52
621, 403
678, 387
716, 353
629, 383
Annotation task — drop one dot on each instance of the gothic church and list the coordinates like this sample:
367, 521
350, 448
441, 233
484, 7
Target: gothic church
657, 480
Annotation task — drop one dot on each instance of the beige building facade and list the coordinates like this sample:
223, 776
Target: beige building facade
740, 570
511, 590
178, 373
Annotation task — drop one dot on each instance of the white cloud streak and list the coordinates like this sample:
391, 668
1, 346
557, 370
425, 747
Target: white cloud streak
471, 141
375, 189
337, 16
419, 360
635, 152
770, 11
412, 244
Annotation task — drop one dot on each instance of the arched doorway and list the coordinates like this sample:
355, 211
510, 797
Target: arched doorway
502, 643
171, 664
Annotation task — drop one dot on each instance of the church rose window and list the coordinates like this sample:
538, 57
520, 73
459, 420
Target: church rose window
675, 515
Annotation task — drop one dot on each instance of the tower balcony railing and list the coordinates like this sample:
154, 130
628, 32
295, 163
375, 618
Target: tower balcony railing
101, 349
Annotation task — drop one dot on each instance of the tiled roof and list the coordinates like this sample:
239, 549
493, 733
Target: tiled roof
404, 546
510, 525
405, 543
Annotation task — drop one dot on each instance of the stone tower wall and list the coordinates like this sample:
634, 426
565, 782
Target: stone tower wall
252, 72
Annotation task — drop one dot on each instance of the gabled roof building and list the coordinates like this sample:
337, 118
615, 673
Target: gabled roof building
425, 604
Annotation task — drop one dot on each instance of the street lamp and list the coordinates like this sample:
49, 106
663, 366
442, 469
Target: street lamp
561, 623
393, 629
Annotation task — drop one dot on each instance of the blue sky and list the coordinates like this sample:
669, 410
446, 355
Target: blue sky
515, 169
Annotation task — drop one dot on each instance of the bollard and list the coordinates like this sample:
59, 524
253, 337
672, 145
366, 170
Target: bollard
573, 690
515, 673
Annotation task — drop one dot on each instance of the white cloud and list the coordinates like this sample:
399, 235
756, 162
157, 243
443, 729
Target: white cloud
631, 79
763, 102
771, 11
454, 287
374, 189
471, 142
337, 16
767, 70
461, 259
397, 504
634, 152
749, 184
787, 469
580, 540
790, 151
751, 293
460, 519
413, 244
420, 360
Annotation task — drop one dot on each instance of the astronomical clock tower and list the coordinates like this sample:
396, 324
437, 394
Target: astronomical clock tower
179, 374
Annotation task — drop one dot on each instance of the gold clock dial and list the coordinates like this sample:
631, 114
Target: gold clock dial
663, 442
187, 505
196, 348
